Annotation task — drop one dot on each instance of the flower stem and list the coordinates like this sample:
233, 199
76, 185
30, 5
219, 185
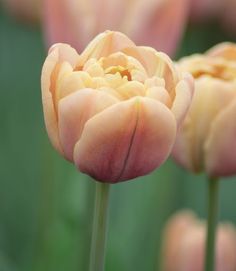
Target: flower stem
213, 195
97, 256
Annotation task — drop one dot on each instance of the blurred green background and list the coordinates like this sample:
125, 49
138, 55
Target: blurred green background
46, 205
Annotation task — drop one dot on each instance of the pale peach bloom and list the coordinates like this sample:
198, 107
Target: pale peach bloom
114, 109
28, 10
156, 23
184, 245
207, 139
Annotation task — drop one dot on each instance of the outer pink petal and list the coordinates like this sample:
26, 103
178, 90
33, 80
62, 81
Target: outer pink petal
220, 148
57, 55
75, 110
182, 150
108, 14
63, 21
164, 26
184, 92
127, 140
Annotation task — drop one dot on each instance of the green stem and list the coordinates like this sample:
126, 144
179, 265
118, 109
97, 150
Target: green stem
97, 256
213, 195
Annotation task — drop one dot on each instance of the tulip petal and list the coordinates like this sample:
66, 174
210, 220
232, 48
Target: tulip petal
220, 147
227, 50
156, 64
127, 140
189, 147
63, 20
145, 55
159, 94
184, 93
51, 68
64, 52
105, 44
74, 111
72, 82
163, 26
182, 150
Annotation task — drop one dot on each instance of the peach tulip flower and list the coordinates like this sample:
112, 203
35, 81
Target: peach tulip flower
28, 10
184, 244
156, 23
207, 139
113, 110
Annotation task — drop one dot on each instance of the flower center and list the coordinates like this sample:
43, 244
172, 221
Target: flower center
121, 70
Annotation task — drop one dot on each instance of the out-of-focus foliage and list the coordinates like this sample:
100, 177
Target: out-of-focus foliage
46, 205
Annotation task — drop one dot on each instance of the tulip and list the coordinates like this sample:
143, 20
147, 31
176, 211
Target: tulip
207, 139
223, 12
113, 111
228, 16
203, 10
147, 22
184, 242
28, 10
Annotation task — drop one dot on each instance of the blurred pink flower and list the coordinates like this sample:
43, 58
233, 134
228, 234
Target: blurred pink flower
222, 11
27, 10
156, 23
228, 17
184, 242
202, 10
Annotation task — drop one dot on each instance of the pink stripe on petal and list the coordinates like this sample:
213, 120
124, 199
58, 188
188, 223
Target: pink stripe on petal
220, 147
127, 140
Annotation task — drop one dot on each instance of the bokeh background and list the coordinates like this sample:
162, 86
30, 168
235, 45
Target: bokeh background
46, 205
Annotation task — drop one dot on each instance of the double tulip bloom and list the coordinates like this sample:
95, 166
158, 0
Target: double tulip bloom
207, 139
184, 244
113, 110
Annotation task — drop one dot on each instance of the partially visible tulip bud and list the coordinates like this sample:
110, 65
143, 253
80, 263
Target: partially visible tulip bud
228, 16
27, 10
203, 10
113, 110
184, 245
207, 139
147, 22
174, 230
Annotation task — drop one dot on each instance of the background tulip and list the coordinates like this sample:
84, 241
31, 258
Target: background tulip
228, 16
146, 22
208, 136
27, 10
114, 109
222, 12
202, 10
184, 242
